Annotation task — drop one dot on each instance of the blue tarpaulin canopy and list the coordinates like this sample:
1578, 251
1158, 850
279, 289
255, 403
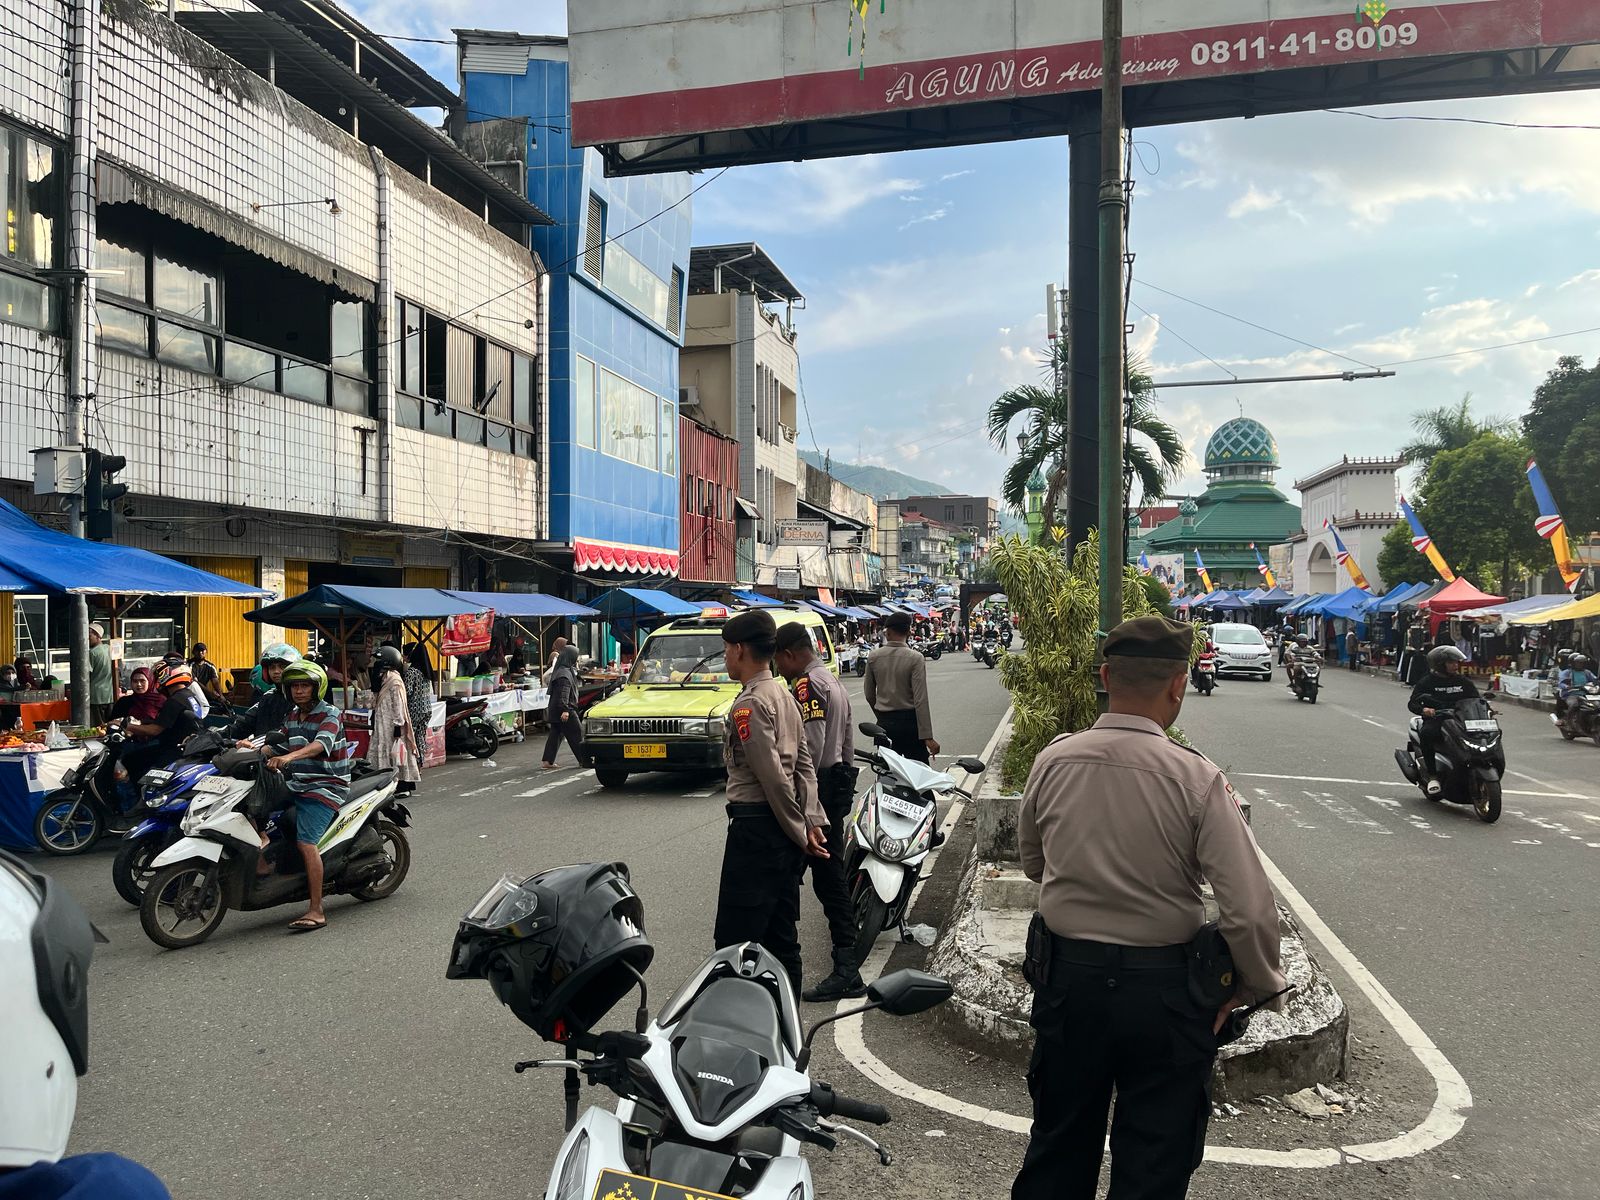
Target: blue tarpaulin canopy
628, 603
755, 599
1272, 597
1228, 602
860, 614
1399, 595
1252, 595
329, 603
526, 604
1297, 607
1351, 602
38, 559
826, 610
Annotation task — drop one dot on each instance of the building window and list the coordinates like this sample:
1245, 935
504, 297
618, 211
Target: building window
461, 385
629, 422
594, 239
966, 513
161, 304
675, 304
669, 438
30, 176
350, 337
583, 402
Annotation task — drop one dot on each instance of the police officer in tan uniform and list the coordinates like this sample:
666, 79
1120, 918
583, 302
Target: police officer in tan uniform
896, 688
774, 817
1119, 825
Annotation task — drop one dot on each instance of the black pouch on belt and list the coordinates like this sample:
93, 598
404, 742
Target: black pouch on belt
1210, 967
1036, 958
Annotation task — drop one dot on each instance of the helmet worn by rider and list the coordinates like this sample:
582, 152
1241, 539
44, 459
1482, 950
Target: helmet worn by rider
170, 676
388, 658
306, 671
559, 948
280, 652
1440, 657
1302, 639
46, 942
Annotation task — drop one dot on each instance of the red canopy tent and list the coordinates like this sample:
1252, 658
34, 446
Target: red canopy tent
1457, 597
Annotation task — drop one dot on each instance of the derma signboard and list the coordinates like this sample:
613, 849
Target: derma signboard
674, 83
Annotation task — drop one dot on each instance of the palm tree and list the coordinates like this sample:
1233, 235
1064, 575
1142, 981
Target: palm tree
1448, 427
1155, 456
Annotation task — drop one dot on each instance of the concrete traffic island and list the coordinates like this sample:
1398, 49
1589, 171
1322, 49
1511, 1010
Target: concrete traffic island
980, 950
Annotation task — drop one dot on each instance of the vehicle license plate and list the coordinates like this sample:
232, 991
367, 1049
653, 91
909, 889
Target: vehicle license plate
211, 783
616, 1185
645, 750
1481, 726
906, 808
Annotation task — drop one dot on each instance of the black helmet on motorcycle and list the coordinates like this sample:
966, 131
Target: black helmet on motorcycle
560, 948
1440, 655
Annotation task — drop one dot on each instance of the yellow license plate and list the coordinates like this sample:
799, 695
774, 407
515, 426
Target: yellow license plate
645, 750
615, 1185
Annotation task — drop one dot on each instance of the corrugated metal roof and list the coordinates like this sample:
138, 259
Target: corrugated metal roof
494, 58
116, 184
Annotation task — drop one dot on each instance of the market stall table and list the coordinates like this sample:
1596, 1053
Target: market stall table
26, 777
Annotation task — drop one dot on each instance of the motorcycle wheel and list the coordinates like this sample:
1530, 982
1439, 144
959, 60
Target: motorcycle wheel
871, 913
861, 666
1572, 734
485, 739
1312, 695
398, 850
130, 870
68, 826
937, 653
184, 892
1486, 799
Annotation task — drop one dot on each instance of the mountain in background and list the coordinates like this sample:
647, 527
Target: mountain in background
881, 483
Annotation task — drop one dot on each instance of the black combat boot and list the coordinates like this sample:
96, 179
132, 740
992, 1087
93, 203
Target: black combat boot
844, 984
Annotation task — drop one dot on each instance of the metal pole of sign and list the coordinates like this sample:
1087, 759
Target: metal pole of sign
1112, 209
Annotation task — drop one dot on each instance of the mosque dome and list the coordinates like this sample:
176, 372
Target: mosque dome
1241, 442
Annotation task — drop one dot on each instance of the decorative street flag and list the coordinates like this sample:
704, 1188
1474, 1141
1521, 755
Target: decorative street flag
1144, 564
1261, 565
1346, 560
1551, 527
1205, 576
1423, 544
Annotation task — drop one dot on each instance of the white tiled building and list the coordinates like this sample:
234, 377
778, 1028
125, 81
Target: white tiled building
318, 333
1361, 497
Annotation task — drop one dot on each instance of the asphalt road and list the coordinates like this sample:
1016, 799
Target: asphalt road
343, 1064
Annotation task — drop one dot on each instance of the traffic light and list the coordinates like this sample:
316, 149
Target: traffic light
99, 493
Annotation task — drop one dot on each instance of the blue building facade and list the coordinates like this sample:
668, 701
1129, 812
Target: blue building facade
618, 258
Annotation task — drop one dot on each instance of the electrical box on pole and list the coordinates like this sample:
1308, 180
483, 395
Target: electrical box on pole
100, 493
58, 471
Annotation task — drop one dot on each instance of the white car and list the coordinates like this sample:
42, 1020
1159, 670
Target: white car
1241, 650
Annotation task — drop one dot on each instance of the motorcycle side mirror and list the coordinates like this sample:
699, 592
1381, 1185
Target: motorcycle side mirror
972, 766
277, 740
908, 992
875, 732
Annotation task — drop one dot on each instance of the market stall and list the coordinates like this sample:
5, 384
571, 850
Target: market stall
534, 615
27, 775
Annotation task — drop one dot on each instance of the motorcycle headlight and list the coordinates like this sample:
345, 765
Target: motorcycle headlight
575, 1171
891, 848
154, 799
694, 727
596, 727
716, 727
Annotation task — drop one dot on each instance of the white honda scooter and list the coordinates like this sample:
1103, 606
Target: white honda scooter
893, 826
214, 866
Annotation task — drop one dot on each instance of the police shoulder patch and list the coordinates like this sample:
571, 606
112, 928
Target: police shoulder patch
741, 722
802, 689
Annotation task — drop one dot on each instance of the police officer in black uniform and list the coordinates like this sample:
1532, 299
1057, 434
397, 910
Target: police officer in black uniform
774, 817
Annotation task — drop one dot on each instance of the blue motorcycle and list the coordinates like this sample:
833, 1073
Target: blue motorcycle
163, 799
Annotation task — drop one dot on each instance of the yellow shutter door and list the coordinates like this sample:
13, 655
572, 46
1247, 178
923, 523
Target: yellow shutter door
296, 581
231, 641
7, 631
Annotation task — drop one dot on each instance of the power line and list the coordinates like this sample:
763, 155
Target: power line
1165, 328
1347, 112
1549, 337
1264, 329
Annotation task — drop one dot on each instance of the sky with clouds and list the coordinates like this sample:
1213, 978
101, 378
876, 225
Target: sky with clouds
1355, 241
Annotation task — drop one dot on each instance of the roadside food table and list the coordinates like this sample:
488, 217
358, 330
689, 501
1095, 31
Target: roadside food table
26, 777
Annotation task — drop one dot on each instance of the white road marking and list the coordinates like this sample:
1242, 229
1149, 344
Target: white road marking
1452, 1097
1390, 783
1411, 818
1347, 812
1284, 807
545, 788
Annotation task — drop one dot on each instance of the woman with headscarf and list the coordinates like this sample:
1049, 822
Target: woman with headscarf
419, 694
142, 702
26, 681
393, 742
561, 711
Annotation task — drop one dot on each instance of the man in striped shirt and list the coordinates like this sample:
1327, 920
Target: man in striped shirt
316, 771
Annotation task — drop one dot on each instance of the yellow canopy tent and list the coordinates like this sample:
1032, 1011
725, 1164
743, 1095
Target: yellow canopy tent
1567, 612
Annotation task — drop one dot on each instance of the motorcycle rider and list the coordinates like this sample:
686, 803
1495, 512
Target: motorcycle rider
317, 774
46, 943
1302, 651
1207, 662
1435, 694
173, 724
269, 711
1579, 674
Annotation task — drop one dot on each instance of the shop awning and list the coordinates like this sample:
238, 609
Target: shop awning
1391, 600
526, 605
856, 613
1228, 602
44, 560
1459, 596
1272, 597
329, 603
589, 554
1351, 602
746, 509
628, 603
1296, 607
10, 581
754, 599
1516, 608
1566, 612
825, 610
1415, 599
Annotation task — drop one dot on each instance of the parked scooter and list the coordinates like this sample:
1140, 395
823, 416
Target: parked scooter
929, 648
1580, 717
892, 828
1305, 679
90, 802
467, 730
214, 866
1471, 757
714, 1095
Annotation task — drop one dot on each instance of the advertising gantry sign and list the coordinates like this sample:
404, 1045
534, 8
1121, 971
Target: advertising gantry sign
671, 84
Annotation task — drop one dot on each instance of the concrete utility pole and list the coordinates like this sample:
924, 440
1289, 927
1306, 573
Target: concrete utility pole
1113, 208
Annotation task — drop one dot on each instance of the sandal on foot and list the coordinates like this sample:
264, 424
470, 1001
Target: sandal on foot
307, 925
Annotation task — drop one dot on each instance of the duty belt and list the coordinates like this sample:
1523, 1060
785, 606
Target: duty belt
736, 811
1084, 953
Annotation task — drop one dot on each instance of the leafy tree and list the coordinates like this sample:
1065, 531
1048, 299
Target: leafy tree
1154, 453
1449, 427
1480, 510
1398, 562
1052, 681
1563, 432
